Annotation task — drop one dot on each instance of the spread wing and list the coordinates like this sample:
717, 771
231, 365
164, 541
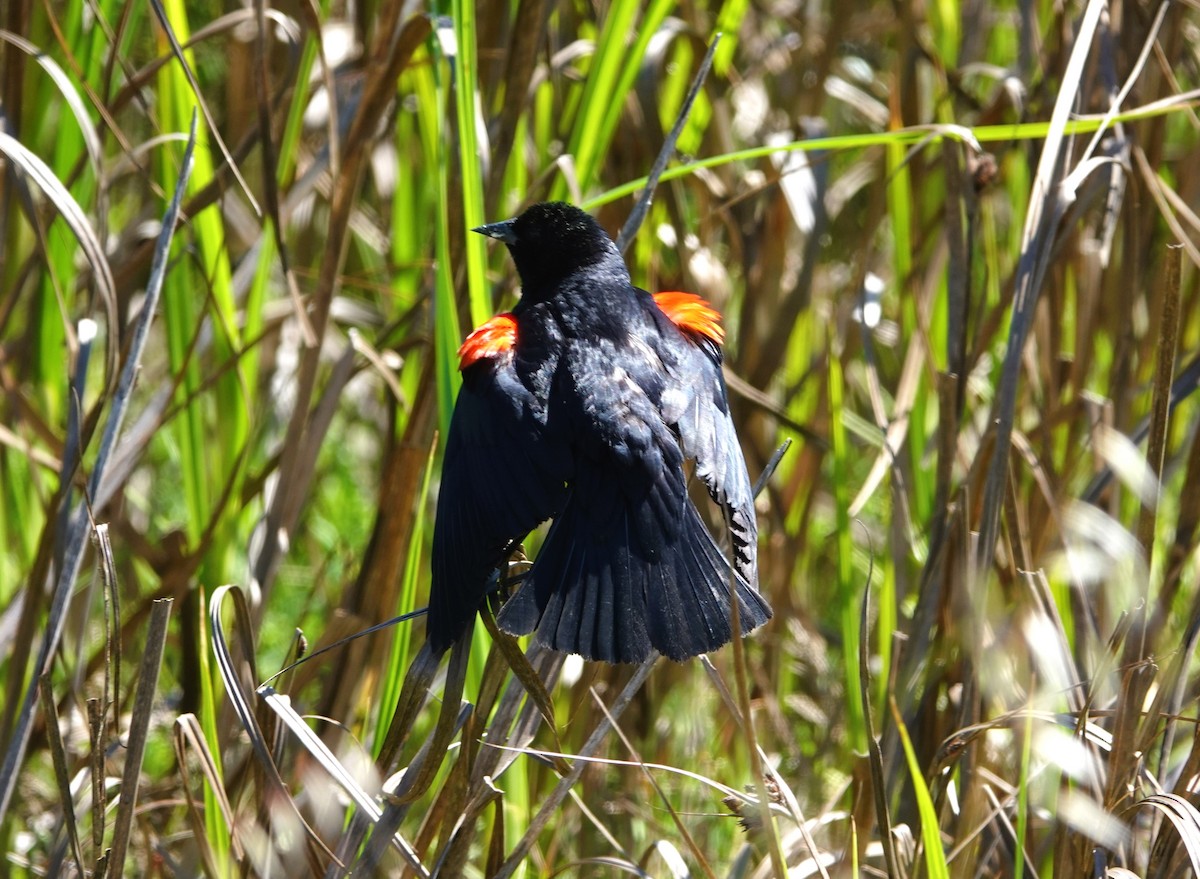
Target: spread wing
696, 404
629, 565
501, 477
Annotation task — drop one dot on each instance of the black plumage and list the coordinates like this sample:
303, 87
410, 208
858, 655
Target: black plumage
582, 406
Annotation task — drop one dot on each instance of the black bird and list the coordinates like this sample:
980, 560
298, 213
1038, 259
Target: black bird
582, 405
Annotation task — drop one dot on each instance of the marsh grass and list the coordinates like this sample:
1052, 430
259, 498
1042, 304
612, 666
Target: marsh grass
956, 248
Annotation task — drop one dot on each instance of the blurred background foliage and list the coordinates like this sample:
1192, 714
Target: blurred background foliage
966, 294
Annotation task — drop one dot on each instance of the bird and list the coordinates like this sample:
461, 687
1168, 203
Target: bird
585, 405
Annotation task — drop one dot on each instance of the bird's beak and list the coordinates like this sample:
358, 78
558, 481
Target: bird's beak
500, 231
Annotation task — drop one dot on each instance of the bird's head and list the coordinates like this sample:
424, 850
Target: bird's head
551, 241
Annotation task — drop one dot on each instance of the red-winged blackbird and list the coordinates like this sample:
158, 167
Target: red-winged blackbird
582, 405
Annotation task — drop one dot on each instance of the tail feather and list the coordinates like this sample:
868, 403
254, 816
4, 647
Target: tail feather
695, 604
598, 615
653, 580
583, 598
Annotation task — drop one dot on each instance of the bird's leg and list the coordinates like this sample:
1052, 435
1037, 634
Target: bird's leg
509, 572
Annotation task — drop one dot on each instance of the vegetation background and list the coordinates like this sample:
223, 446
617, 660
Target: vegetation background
955, 243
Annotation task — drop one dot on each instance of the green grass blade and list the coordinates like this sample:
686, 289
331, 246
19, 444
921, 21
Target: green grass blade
847, 587
447, 335
931, 837
402, 638
928, 134
610, 77
466, 96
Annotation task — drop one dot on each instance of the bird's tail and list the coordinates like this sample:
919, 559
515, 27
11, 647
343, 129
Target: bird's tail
616, 579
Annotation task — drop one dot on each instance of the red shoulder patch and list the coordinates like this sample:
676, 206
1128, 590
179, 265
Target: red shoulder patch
691, 313
494, 337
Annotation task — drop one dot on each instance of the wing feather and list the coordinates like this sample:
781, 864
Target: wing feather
501, 477
696, 405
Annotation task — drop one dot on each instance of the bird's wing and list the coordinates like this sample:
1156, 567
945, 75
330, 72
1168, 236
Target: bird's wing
500, 478
628, 564
695, 404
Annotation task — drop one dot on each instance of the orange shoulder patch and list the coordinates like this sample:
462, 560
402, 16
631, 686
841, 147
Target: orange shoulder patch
488, 340
689, 312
